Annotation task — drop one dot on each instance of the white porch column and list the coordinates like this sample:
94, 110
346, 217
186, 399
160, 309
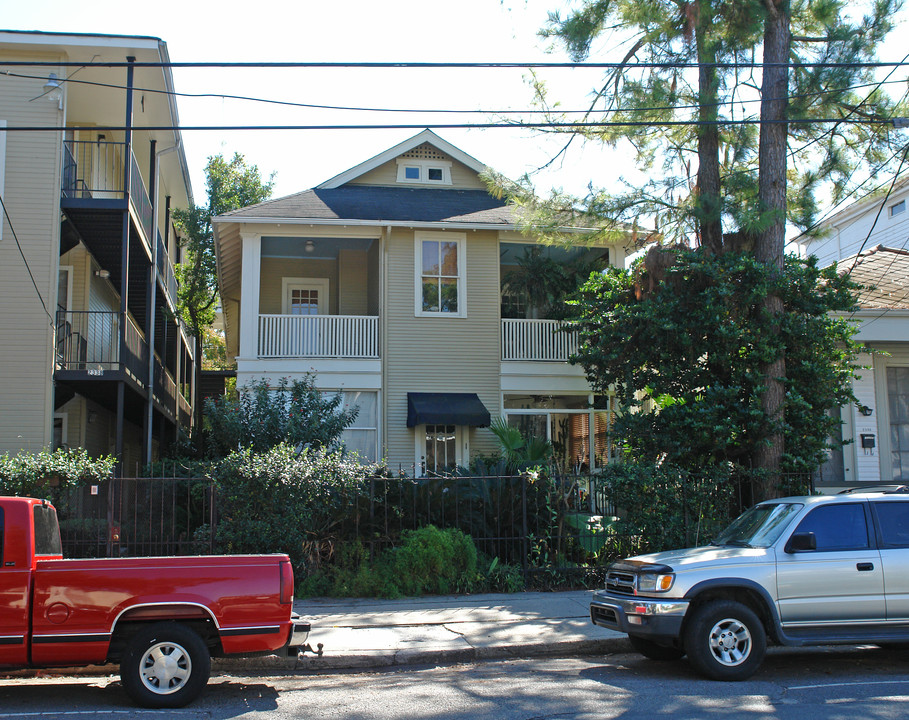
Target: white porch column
249, 295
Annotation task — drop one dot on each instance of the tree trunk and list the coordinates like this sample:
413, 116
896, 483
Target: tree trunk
771, 239
707, 209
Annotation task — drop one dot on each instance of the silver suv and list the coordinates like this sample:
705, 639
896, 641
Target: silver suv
816, 570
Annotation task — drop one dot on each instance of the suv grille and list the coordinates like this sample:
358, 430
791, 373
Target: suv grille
620, 582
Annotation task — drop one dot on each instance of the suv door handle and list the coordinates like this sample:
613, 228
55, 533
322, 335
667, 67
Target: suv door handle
864, 566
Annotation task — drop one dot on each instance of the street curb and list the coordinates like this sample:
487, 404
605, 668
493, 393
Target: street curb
454, 656
274, 664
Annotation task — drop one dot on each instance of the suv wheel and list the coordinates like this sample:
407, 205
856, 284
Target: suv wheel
649, 649
725, 640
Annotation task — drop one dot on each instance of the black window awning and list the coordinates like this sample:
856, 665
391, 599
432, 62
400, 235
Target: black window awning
446, 409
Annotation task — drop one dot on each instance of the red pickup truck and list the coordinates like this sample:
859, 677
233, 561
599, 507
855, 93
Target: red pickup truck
161, 618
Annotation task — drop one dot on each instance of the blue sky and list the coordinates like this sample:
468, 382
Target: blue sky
356, 30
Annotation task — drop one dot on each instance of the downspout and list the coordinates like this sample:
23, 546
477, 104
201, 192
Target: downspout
383, 328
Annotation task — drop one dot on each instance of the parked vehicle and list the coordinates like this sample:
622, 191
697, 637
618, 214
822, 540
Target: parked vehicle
161, 618
794, 571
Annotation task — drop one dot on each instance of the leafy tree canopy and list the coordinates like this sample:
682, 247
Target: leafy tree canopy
691, 350
229, 185
822, 158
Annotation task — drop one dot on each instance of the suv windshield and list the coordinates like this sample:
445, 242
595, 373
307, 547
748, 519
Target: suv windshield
758, 527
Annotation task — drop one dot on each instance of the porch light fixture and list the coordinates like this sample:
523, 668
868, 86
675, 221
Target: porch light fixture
103, 274
309, 246
53, 90
865, 410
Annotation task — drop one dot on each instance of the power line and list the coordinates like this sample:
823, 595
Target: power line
317, 106
440, 65
896, 122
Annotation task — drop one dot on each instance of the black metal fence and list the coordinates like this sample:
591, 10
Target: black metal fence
137, 517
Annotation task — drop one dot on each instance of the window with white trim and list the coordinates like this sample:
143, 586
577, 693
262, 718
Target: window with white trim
440, 274
898, 208
424, 172
362, 435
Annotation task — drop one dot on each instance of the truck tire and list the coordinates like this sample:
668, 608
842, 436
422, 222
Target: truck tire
649, 649
725, 640
165, 665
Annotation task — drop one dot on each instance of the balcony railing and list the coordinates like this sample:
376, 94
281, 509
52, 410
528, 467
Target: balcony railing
537, 340
166, 270
95, 170
90, 341
329, 336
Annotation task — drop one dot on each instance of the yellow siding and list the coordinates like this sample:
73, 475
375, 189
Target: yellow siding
274, 269
387, 174
440, 354
31, 195
352, 282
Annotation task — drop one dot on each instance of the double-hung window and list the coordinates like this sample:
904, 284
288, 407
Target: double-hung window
440, 274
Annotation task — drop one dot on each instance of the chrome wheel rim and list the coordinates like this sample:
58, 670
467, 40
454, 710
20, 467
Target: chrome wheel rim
730, 642
165, 668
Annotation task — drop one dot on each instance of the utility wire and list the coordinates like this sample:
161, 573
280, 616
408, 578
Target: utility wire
896, 122
9, 222
317, 106
439, 65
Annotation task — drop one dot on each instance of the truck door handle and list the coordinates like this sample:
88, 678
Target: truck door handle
864, 567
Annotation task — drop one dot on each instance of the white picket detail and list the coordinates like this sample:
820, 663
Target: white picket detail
311, 336
540, 340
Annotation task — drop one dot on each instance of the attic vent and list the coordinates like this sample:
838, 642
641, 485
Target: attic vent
425, 152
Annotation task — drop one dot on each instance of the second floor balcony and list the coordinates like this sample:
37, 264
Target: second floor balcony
538, 340
318, 336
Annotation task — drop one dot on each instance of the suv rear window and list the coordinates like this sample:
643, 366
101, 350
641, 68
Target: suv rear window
893, 518
837, 527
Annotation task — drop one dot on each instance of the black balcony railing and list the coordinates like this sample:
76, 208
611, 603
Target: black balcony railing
93, 170
90, 341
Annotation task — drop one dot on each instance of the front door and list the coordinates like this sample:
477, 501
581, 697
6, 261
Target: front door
305, 299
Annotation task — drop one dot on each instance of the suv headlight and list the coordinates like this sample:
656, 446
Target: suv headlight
653, 582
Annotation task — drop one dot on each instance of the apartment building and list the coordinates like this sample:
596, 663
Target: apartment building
92, 354
387, 283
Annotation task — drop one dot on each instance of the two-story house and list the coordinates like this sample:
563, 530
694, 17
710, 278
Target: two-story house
386, 282
92, 354
869, 240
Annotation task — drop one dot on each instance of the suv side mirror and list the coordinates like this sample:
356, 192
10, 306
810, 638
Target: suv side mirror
801, 541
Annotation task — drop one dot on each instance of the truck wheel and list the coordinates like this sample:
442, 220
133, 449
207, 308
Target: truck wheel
649, 649
166, 665
725, 640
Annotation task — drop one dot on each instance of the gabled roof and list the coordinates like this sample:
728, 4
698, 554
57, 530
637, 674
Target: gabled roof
393, 152
884, 272
381, 205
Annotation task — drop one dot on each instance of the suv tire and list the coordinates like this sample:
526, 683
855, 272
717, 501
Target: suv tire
725, 640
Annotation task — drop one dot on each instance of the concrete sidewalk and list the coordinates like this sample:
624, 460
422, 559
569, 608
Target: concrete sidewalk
442, 630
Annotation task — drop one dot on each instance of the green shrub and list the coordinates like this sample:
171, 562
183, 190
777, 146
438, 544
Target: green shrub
435, 561
282, 501
263, 415
46, 473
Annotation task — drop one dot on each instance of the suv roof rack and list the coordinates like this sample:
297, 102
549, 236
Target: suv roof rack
876, 489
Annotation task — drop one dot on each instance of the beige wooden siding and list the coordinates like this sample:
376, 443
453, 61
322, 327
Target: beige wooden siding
372, 282
387, 174
440, 354
353, 272
31, 182
274, 269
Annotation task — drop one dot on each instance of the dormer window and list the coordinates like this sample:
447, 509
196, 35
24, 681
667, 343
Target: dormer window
424, 172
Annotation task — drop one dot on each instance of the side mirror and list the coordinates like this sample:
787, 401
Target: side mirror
801, 542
